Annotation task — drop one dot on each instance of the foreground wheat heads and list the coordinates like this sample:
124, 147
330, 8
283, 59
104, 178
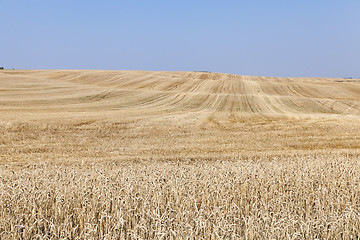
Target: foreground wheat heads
298, 197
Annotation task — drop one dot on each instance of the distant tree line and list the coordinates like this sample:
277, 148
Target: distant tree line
2, 68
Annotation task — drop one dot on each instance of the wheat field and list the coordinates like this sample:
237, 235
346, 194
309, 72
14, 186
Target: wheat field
177, 155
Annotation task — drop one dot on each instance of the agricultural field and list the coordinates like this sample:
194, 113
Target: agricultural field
177, 155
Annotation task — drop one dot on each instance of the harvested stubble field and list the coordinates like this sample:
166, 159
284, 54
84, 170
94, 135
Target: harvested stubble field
177, 155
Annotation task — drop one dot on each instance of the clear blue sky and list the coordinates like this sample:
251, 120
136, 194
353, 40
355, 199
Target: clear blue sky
310, 38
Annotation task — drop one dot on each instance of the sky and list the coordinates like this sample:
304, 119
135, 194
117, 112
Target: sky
280, 38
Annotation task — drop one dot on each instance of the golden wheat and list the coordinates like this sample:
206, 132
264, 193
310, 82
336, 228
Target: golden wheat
177, 155
299, 197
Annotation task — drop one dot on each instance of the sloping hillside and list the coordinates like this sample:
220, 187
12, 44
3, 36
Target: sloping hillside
84, 115
177, 91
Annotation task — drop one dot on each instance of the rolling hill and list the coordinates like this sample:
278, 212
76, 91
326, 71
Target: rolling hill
62, 114
177, 91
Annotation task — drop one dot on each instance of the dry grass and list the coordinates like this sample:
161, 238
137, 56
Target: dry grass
176, 155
